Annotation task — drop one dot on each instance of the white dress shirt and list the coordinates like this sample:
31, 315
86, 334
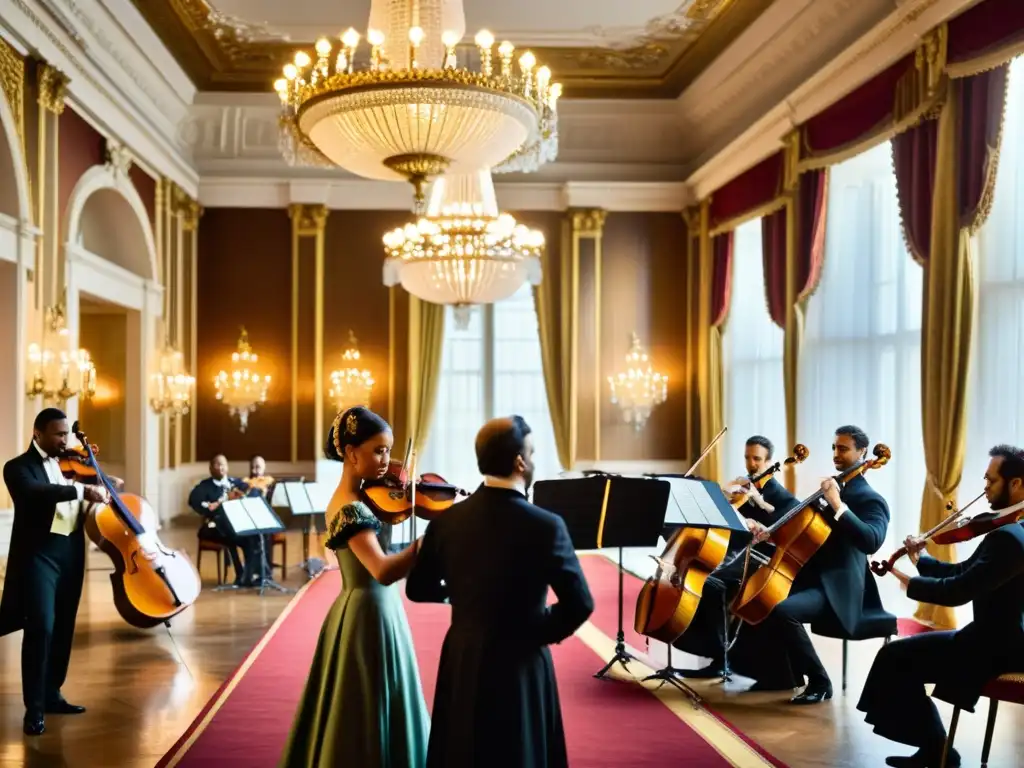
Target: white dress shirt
65, 518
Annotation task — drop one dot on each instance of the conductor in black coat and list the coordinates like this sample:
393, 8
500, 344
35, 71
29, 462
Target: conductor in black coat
45, 568
959, 663
493, 557
706, 635
835, 591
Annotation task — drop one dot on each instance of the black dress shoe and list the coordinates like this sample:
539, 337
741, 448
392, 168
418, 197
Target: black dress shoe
764, 687
33, 724
922, 759
61, 707
704, 673
814, 693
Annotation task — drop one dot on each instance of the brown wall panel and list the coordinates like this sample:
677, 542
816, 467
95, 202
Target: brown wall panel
105, 335
244, 278
79, 148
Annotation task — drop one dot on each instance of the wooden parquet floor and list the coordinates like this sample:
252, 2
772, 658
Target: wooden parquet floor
143, 688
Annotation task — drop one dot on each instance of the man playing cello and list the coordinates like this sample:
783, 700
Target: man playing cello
960, 662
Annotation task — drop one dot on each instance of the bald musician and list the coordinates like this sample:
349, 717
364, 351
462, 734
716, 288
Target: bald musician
959, 662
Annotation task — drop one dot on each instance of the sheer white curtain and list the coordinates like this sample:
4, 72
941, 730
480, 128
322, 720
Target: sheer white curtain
860, 362
755, 402
996, 397
491, 369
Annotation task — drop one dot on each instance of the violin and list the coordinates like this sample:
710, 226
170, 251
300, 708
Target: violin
74, 464
740, 497
980, 524
393, 498
668, 601
797, 535
151, 582
880, 568
261, 483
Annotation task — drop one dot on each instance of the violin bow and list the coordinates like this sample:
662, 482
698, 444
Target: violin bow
707, 450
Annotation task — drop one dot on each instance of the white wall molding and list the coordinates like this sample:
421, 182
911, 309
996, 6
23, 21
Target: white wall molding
894, 36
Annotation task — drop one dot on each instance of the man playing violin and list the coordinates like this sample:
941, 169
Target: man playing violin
835, 590
706, 635
961, 662
46, 567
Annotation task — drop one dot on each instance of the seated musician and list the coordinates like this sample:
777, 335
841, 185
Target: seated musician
258, 483
835, 589
958, 662
706, 635
206, 499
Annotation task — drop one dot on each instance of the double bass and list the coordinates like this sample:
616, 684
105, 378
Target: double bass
151, 582
797, 535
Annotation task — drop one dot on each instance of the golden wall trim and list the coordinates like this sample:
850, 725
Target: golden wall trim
12, 81
53, 86
587, 224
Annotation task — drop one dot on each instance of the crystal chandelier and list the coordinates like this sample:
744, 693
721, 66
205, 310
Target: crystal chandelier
171, 387
244, 388
55, 371
351, 386
410, 111
462, 252
638, 390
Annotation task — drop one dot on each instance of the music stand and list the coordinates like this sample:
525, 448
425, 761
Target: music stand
608, 511
252, 516
305, 501
698, 503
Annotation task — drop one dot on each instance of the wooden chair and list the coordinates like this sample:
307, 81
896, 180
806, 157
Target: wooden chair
1009, 688
279, 540
210, 545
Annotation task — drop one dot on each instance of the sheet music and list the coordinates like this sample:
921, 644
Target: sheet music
280, 495
298, 499
237, 515
260, 514
319, 496
692, 502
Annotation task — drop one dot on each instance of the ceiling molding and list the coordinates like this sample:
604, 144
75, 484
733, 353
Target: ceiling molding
888, 40
668, 55
368, 195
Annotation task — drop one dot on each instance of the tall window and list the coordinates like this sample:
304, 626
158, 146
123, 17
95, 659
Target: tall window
996, 395
755, 400
493, 368
860, 362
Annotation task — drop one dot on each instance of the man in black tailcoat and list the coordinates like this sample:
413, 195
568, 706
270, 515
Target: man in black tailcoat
960, 663
835, 591
493, 557
45, 567
706, 635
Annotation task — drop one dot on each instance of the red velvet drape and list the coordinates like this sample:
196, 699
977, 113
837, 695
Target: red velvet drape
773, 256
985, 27
721, 277
914, 163
754, 188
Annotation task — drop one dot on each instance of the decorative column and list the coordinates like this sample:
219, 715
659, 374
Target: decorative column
52, 86
191, 211
585, 376
308, 224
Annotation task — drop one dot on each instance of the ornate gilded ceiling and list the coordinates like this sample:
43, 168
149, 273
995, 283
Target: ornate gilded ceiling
616, 49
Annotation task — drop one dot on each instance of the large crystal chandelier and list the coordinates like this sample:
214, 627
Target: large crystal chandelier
171, 387
410, 111
638, 389
245, 387
351, 385
56, 372
463, 252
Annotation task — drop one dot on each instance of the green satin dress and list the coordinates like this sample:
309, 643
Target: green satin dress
363, 704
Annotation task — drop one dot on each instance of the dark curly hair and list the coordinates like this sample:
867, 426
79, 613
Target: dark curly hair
353, 427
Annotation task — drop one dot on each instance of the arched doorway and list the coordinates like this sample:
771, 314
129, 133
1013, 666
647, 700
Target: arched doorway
113, 309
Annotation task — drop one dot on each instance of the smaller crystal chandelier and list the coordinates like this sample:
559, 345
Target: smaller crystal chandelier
244, 388
463, 252
56, 372
638, 390
171, 387
351, 386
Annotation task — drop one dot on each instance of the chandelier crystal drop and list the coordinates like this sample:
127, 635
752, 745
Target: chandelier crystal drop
56, 372
171, 386
638, 389
409, 111
245, 387
351, 385
463, 252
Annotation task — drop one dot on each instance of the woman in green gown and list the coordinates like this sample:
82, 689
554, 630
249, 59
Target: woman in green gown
363, 704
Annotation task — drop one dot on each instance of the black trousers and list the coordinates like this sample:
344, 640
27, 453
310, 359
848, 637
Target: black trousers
785, 625
249, 545
53, 590
894, 699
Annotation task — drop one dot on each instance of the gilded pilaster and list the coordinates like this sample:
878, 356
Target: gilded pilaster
52, 86
12, 82
192, 211
308, 222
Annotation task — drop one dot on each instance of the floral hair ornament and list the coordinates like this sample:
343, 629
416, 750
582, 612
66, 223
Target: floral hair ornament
337, 435
351, 423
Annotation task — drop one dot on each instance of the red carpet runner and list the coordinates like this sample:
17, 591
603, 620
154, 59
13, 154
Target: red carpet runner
608, 723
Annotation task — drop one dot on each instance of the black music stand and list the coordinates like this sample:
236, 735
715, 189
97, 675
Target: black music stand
294, 495
252, 516
699, 503
608, 511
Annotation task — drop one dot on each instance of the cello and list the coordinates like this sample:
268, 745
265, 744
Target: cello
151, 582
797, 535
668, 600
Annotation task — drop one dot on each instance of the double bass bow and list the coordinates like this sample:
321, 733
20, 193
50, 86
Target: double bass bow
797, 535
668, 600
152, 583
882, 567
